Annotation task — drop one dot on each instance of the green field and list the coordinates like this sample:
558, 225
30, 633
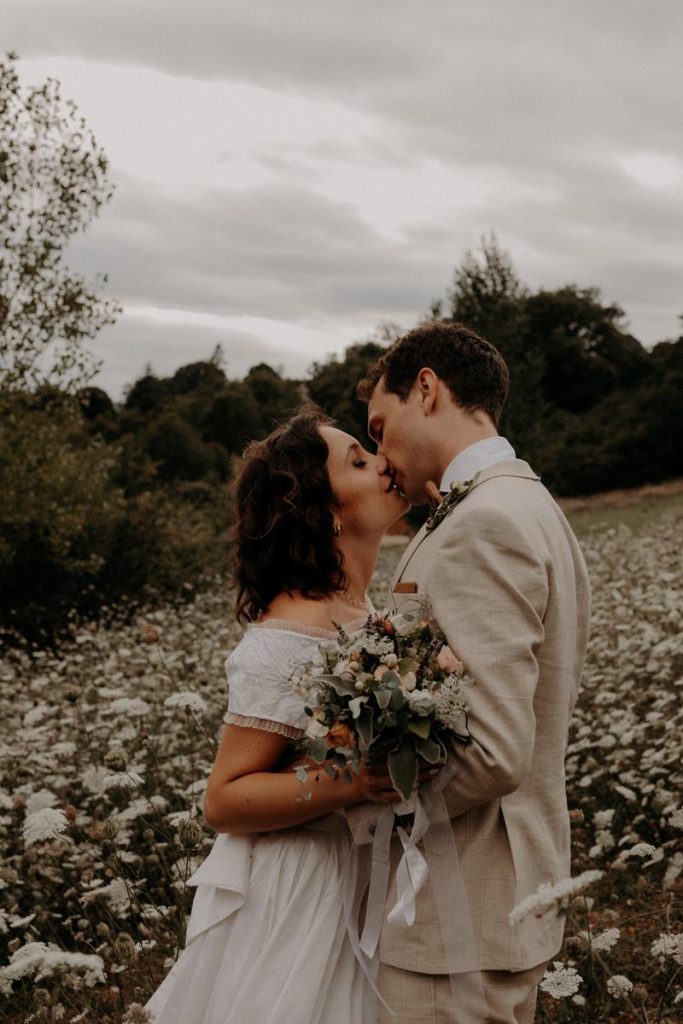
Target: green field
641, 513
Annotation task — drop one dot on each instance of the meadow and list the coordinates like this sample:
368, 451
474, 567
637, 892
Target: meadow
107, 743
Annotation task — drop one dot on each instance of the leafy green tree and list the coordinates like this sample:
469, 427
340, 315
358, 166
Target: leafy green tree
53, 181
58, 511
333, 386
233, 418
488, 296
586, 352
205, 375
148, 393
276, 397
180, 453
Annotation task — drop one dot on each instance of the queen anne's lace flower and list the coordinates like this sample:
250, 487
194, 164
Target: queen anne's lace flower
676, 819
378, 645
603, 819
41, 960
605, 940
668, 944
619, 985
548, 896
122, 780
451, 704
136, 707
116, 895
561, 981
39, 799
44, 824
641, 850
186, 699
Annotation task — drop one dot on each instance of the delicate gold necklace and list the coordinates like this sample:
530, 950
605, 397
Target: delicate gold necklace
353, 601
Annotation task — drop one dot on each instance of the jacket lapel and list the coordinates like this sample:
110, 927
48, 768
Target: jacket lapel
511, 467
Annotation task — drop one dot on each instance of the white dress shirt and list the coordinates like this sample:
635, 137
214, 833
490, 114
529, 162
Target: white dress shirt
479, 455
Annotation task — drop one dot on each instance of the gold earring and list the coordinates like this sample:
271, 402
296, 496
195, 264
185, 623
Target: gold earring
336, 529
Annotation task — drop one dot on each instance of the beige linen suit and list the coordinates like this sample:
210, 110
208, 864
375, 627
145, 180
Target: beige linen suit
505, 578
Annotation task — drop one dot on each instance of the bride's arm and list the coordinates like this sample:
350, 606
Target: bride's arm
246, 793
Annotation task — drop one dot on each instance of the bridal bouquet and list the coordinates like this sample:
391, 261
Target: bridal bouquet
392, 691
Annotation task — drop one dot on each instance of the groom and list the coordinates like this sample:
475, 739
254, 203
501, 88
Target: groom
505, 580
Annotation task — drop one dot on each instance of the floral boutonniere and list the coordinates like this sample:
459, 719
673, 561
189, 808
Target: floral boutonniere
459, 488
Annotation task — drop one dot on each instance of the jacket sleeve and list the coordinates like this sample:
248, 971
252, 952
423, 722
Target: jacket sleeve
488, 592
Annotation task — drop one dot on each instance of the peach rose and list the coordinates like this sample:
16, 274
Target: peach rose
340, 735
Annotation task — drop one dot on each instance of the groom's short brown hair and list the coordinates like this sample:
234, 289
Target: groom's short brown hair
473, 369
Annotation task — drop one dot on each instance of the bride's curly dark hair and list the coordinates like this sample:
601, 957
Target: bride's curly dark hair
283, 536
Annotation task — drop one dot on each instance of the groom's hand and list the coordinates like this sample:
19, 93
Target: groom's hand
374, 782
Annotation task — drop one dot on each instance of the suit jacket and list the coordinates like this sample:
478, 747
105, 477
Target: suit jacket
504, 577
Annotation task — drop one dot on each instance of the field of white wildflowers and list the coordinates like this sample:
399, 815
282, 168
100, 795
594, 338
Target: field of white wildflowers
106, 747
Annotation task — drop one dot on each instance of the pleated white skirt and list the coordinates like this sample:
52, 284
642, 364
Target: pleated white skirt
283, 956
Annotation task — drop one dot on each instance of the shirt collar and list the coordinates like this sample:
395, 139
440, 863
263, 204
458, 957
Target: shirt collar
479, 455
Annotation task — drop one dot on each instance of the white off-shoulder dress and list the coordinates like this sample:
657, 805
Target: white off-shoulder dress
266, 940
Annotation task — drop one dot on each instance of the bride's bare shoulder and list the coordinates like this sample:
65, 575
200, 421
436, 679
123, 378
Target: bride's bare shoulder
296, 608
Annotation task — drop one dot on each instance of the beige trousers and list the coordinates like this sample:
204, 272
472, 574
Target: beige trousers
427, 999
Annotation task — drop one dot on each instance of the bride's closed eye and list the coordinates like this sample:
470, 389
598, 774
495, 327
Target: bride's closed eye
360, 463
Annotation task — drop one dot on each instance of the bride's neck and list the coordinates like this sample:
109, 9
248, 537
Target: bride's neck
359, 563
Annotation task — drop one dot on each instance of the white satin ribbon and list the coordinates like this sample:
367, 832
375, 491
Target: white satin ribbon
412, 870
365, 867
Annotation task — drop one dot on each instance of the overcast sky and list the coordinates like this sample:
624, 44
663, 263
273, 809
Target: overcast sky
291, 174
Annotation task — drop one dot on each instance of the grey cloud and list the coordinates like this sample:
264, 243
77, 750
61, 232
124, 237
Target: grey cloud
278, 251
548, 96
463, 80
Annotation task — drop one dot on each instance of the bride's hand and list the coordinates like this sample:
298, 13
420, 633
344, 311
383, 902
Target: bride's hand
369, 783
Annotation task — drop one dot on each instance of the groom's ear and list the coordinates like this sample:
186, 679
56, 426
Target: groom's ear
427, 384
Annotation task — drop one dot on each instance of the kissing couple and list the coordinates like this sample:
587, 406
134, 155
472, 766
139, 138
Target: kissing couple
270, 937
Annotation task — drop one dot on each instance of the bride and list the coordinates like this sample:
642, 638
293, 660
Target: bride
266, 941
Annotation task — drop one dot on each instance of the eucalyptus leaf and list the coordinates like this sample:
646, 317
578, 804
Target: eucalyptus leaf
365, 727
382, 697
397, 699
402, 764
430, 750
420, 727
341, 685
318, 749
356, 705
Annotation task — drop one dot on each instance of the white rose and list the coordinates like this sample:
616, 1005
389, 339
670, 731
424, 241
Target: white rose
418, 699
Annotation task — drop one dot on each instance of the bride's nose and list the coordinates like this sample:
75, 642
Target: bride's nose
383, 466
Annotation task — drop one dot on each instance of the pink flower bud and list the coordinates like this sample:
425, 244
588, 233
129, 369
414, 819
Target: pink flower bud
447, 661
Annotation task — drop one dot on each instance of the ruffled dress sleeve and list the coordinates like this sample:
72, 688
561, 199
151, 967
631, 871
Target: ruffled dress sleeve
260, 692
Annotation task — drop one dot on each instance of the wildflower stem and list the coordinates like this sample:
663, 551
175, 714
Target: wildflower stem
660, 1004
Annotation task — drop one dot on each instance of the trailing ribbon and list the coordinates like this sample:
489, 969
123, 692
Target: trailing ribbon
370, 869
